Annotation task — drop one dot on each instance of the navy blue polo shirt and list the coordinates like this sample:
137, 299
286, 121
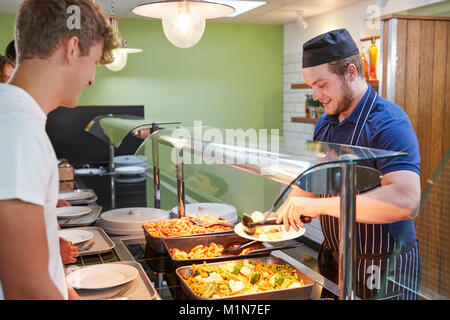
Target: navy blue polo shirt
385, 126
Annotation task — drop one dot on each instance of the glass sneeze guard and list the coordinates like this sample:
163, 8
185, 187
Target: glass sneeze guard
276, 158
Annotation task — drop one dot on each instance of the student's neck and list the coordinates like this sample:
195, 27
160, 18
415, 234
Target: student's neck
358, 92
39, 81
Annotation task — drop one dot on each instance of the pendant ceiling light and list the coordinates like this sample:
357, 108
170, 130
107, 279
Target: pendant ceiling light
120, 54
183, 20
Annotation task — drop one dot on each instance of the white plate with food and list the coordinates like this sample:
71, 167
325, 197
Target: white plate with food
75, 236
72, 211
75, 195
101, 276
271, 233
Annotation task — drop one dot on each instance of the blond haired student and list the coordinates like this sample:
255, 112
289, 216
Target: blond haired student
55, 61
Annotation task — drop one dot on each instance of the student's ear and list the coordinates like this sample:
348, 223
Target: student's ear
71, 50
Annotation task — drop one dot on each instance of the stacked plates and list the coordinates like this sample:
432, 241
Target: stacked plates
130, 169
79, 196
72, 212
129, 160
89, 171
129, 221
101, 276
221, 210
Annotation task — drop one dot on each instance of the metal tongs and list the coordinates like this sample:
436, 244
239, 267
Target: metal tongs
249, 226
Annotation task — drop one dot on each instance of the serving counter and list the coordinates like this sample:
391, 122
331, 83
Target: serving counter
321, 168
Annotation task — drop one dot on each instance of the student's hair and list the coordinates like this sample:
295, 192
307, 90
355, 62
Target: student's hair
339, 67
42, 25
10, 51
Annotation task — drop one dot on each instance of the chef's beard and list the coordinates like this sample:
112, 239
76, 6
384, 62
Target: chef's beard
347, 97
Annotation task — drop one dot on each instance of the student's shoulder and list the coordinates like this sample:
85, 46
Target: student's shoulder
11, 99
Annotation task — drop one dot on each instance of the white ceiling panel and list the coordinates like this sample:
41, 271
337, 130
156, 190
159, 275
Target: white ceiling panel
273, 12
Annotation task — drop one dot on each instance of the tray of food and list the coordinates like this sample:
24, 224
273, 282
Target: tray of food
266, 278
209, 248
156, 232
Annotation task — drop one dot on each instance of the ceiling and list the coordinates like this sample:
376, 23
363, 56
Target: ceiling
441, 9
273, 12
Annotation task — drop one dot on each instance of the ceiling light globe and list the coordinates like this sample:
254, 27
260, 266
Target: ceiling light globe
120, 60
184, 30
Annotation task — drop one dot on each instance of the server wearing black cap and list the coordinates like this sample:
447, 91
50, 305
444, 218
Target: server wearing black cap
388, 260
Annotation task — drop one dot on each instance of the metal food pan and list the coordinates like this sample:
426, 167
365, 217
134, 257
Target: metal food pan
187, 243
300, 293
157, 244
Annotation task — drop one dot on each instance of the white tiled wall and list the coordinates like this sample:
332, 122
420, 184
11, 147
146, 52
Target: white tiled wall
294, 106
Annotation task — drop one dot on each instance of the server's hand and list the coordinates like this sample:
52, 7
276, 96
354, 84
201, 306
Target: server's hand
295, 213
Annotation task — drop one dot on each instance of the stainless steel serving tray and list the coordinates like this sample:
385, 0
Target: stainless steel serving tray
157, 244
299, 293
187, 243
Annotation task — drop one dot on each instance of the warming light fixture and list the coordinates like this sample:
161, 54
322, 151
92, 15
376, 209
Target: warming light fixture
183, 20
120, 54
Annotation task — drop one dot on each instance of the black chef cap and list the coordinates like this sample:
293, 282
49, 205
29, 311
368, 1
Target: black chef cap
328, 47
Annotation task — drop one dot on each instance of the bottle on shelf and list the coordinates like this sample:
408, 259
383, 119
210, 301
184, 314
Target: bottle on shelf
365, 64
373, 51
307, 111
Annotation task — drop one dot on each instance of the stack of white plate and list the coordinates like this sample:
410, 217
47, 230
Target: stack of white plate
129, 221
71, 212
130, 169
79, 196
129, 160
89, 171
221, 210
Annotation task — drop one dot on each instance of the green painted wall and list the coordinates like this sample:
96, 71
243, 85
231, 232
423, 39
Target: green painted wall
233, 78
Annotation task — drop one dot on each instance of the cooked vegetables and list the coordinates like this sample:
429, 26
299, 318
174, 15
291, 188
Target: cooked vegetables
233, 278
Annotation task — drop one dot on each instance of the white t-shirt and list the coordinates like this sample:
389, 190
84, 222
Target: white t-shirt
28, 167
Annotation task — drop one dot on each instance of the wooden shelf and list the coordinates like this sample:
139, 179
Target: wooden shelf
370, 38
303, 120
373, 83
300, 86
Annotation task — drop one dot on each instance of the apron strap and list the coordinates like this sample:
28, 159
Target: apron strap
363, 116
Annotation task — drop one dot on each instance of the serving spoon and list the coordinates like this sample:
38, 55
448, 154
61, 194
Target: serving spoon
237, 250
